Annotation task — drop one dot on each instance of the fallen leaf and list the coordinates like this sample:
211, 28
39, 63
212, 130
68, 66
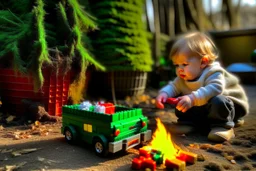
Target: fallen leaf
16, 137
14, 167
205, 146
196, 146
46, 161
229, 158
37, 123
41, 159
6, 150
218, 145
233, 161
24, 151
10, 118
10, 167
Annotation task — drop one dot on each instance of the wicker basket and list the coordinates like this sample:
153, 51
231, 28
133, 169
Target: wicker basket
127, 83
124, 83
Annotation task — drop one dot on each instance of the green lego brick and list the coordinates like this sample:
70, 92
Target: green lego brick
115, 117
158, 158
121, 115
125, 114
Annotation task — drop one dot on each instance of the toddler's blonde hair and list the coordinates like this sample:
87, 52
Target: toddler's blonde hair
197, 42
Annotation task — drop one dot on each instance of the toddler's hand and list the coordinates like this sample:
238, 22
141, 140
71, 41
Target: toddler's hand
184, 104
161, 98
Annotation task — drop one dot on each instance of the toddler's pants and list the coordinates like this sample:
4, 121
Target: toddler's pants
218, 112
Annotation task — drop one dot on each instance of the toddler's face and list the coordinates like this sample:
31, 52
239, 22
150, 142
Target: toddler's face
187, 64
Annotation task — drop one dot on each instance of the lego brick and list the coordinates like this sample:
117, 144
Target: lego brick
175, 164
109, 108
146, 136
157, 156
121, 115
136, 164
149, 163
115, 117
144, 152
115, 146
186, 156
131, 141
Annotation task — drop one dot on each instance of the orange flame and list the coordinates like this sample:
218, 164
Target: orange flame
161, 140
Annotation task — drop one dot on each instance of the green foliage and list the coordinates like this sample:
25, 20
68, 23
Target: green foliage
36, 33
121, 42
13, 30
42, 55
86, 20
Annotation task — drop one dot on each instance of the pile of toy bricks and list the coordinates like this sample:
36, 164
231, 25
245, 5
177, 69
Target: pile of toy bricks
150, 158
100, 107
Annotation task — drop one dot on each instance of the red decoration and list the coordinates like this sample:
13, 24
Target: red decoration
109, 107
144, 152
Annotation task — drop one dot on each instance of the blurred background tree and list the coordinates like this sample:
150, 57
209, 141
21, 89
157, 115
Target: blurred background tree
121, 41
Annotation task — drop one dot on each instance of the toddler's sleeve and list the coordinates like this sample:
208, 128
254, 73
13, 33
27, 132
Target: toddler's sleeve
171, 89
214, 86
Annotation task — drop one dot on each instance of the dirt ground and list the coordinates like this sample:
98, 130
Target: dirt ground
40, 146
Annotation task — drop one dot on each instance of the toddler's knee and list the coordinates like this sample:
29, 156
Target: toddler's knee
221, 101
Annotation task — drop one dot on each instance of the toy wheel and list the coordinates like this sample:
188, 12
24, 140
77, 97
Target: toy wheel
69, 135
99, 147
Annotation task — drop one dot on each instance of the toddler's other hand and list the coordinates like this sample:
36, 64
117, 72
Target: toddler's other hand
184, 104
160, 99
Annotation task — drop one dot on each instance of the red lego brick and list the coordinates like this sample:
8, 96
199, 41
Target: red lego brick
149, 163
144, 152
187, 157
109, 107
136, 164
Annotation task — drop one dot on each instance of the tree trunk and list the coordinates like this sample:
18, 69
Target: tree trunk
180, 21
170, 18
156, 42
192, 20
162, 15
232, 13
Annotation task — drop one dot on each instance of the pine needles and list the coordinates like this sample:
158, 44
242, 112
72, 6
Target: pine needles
13, 30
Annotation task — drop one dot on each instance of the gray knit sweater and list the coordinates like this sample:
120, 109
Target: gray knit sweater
213, 81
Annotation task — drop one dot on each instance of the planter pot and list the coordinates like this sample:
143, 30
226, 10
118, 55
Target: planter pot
15, 86
124, 83
235, 46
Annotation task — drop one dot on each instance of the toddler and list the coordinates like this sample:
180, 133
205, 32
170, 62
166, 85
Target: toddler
208, 95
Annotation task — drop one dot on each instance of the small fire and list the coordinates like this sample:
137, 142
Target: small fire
161, 150
162, 141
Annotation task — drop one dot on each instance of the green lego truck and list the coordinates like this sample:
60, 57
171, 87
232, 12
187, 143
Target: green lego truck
108, 133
